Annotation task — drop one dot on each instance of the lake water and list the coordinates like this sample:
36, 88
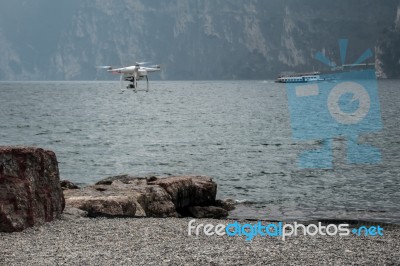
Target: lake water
237, 132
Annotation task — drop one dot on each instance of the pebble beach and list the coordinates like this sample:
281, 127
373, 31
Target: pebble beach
165, 241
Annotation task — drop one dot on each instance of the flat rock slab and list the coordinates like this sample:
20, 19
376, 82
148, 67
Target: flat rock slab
129, 196
30, 191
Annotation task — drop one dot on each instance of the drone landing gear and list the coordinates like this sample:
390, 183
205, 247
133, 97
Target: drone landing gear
133, 83
132, 86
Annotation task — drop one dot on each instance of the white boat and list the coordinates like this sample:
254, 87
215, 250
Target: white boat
299, 78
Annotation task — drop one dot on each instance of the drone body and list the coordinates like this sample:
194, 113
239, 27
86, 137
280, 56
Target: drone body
132, 74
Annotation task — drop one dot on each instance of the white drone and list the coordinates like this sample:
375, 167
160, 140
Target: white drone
132, 74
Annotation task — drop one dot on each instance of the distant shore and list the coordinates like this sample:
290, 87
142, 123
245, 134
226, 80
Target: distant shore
165, 241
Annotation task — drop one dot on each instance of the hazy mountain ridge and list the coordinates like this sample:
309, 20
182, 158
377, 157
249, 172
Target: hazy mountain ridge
191, 39
388, 52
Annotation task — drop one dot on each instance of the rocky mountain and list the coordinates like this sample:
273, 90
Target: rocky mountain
388, 52
191, 39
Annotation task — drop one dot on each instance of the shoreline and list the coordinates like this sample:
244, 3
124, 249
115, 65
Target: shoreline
252, 213
165, 241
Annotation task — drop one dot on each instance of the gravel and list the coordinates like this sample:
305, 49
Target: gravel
151, 241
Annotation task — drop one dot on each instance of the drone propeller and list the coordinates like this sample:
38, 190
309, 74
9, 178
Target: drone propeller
142, 63
105, 67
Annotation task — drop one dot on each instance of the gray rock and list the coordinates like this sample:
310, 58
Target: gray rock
108, 206
71, 213
189, 190
149, 200
227, 204
128, 196
66, 184
126, 179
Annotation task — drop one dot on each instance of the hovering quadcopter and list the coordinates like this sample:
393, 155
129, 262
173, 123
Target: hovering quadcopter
132, 74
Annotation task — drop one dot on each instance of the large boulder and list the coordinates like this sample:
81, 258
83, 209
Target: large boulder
134, 194
112, 206
149, 197
30, 191
189, 190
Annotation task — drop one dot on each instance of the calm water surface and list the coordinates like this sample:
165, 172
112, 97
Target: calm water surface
237, 132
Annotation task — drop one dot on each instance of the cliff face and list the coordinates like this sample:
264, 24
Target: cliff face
388, 52
191, 39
